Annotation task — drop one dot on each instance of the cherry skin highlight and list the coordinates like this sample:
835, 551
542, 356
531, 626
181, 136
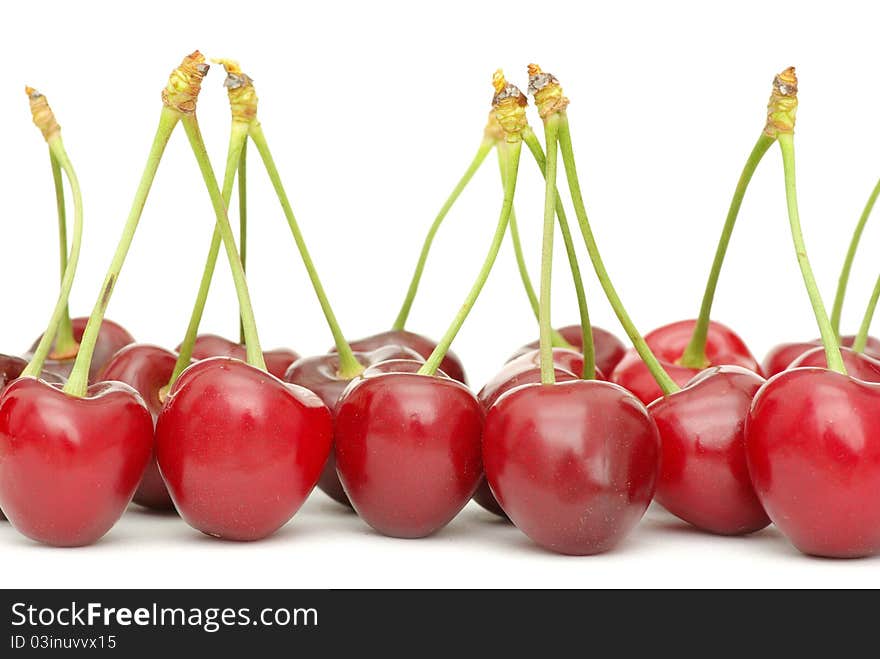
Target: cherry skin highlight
69, 466
574, 464
723, 348
782, 356
858, 365
212, 345
609, 350
408, 448
147, 369
112, 337
451, 364
239, 449
813, 449
704, 478
320, 375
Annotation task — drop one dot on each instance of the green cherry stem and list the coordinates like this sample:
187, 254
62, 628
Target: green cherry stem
545, 325
59, 157
666, 383
485, 147
843, 280
861, 339
512, 168
589, 349
77, 383
252, 340
236, 152
829, 336
694, 355
349, 366
242, 220
558, 340
65, 343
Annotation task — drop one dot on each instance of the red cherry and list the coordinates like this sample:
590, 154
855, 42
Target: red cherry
781, 357
112, 337
608, 348
574, 464
704, 478
69, 466
408, 448
451, 364
723, 348
211, 345
813, 449
858, 365
239, 449
320, 374
147, 369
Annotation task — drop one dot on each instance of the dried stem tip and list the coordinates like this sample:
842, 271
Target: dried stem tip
184, 84
240, 87
547, 92
782, 108
44, 118
509, 104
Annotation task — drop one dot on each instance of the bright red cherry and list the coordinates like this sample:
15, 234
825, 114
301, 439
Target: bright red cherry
668, 343
573, 464
408, 448
112, 337
704, 478
451, 364
781, 357
608, 348
147, 369
239, 449
858, 365
813, 448
211, 345
69, 466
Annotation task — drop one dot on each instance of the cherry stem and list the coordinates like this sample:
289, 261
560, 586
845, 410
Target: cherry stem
589, 350
236, 152
861, 339
78, 382
545, 325
65, 343
558, 340
349, 366
829, 336
694, 355
667, 384
59, 157
252, 340
402, 316
242, 221
512, 168
843, 280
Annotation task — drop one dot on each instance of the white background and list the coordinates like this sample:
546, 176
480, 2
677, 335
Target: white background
373, 110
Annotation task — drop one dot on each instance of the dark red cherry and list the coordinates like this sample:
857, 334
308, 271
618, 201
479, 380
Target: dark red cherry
608, 348
858, 364
211, 345
781, 357
111, 338
451, 364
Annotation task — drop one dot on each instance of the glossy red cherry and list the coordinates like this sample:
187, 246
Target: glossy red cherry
525, 369
608, 348
111, 338
408, 448
239, 449
147, 369
704, 478
211, 345
320, 375
781, 357
573, 464
858, 365
813, 448
723, 348
69, 466
451, 364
